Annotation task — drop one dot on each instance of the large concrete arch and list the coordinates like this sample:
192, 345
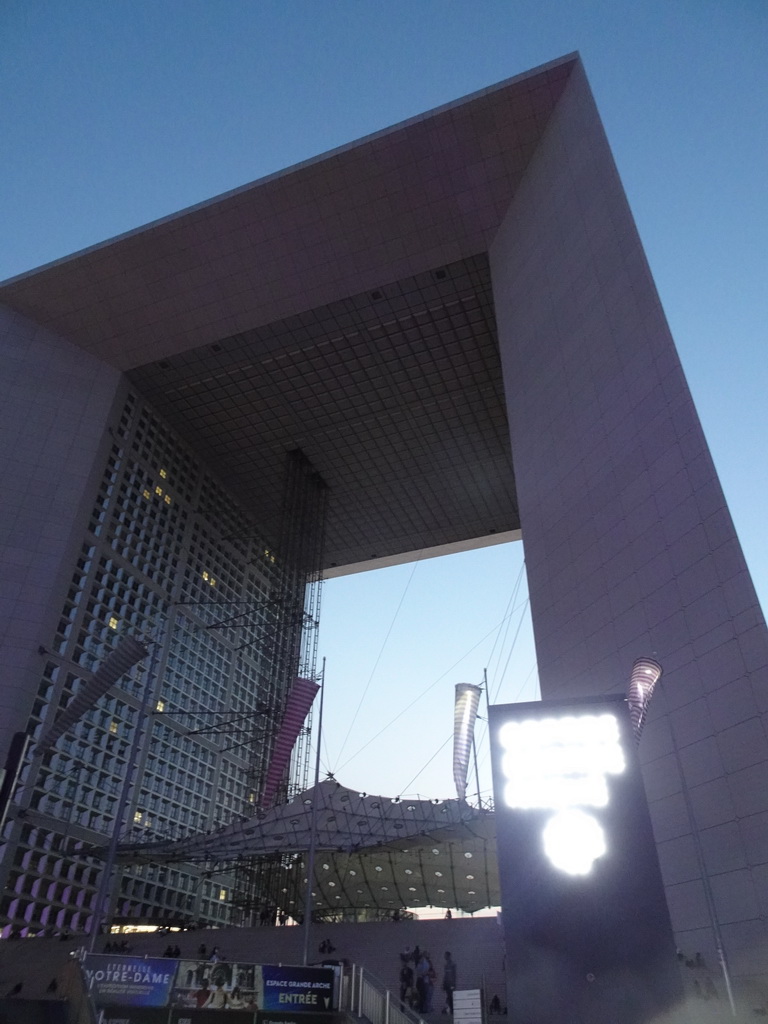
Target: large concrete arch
630, 549
455, 320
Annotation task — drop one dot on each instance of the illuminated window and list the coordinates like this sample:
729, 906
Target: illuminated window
206, 577
222, 894
113, 622
159, 490
212, 581
163, 473
137, 816
160, 706
167, 499
113, 727
147, 494
251, 798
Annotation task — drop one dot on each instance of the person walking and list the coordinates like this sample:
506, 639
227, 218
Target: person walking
406, 985
449, 982
425, 982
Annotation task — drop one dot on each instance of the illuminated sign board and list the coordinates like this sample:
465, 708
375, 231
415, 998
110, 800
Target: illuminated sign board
562, 765
585, 920
307, 989
198, 989
129, 980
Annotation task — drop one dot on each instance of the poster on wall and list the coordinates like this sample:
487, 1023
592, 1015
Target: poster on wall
129, 980
198, 989
298, 989
202, 985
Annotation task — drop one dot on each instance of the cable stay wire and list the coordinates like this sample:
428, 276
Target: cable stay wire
420, 696
379, 656
521, 688
511, 650
522, 607
484, 791
485, 747
426, 765
508, 614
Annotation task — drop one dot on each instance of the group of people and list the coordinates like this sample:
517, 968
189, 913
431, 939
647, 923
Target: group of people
117, 947
214, 957
418, 979
172, 951
703, 986
272, 916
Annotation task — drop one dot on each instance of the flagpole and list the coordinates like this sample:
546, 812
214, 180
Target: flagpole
313, 827
474, 744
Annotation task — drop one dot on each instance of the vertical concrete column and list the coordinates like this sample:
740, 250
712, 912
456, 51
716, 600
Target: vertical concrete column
54, 403
629, 545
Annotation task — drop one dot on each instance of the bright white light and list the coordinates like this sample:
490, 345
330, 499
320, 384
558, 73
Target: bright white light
526, 791
560, 762
573, 841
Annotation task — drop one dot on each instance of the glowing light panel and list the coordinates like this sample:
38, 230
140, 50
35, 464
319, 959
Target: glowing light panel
562, 764
573, 840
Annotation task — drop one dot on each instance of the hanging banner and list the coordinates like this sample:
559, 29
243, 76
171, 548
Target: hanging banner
198, 989
129, 980
464, 715
127, 654
297, 707
203, 985
645, 674
298, 989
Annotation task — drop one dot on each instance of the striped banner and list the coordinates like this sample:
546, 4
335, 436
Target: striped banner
645, 674
119, 661
297, 707
464, 715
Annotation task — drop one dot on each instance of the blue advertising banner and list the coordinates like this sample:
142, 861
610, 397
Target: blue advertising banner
299, 989
129, 980
203, 985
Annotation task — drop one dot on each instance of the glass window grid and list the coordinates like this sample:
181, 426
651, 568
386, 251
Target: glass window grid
129, 582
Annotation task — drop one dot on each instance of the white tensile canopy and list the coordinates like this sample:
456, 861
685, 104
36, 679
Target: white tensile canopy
371, 851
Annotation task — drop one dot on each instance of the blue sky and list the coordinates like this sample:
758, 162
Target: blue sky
116, 113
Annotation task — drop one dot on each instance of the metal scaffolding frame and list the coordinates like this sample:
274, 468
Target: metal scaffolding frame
294, 647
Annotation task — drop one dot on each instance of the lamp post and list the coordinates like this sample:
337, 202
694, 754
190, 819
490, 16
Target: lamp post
645, 674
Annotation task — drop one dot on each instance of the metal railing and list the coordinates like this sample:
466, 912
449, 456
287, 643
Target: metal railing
364, 995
